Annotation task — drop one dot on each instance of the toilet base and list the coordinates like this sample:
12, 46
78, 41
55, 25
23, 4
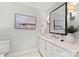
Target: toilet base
2, 55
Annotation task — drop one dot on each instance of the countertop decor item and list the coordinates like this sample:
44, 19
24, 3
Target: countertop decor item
72, 29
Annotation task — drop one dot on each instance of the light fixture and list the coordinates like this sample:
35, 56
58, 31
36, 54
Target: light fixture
71, 9
47, 19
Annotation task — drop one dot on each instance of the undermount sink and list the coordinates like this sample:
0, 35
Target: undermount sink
60, 38
53, 37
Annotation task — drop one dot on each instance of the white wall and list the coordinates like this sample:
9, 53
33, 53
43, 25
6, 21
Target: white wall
54, 6
21, 39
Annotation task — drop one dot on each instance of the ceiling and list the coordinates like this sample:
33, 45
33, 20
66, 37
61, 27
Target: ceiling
40, 5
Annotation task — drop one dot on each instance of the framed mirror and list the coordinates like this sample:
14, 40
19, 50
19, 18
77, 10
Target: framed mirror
58, 20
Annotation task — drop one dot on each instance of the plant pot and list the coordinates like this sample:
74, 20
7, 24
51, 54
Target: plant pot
70, 38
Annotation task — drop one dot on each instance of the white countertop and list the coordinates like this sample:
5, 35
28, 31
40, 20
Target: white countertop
73, 47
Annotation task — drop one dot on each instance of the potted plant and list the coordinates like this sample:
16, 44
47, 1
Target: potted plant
71, 30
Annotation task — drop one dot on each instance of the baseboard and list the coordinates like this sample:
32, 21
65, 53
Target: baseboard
21, 52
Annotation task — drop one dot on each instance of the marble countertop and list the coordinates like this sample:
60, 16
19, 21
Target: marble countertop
73, 47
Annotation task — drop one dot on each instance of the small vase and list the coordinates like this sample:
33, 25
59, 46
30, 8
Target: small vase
70, 38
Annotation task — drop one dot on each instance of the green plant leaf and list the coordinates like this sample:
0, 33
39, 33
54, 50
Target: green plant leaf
71, 29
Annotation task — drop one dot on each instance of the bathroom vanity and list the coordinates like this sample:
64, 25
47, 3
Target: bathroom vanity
55, 47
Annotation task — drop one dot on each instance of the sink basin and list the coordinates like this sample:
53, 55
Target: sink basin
53, 37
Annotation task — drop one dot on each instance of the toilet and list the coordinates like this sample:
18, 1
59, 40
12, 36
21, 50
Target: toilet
4, 47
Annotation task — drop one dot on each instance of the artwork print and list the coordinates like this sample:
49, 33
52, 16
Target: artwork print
25, 22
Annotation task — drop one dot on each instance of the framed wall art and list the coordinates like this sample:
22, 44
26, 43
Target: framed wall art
25, 21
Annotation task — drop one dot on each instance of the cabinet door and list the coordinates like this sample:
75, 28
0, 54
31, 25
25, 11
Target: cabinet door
42, 47
60, 52
48, 50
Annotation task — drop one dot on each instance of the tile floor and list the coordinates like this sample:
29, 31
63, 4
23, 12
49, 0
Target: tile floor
31, 54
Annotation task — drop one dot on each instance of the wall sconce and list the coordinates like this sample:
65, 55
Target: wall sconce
71, 9
47, 19
72, 17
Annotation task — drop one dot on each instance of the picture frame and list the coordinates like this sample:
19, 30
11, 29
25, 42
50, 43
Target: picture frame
25, 21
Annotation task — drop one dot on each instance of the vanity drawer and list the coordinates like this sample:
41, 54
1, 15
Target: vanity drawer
60, 51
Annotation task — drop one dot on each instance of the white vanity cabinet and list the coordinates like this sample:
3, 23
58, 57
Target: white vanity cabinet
42, 47
54, 48
60, 52
45, 48
48, 49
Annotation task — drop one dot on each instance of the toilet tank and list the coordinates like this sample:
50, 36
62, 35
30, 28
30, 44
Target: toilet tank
4, 46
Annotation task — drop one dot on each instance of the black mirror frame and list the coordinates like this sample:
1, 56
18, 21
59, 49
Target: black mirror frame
65, 19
